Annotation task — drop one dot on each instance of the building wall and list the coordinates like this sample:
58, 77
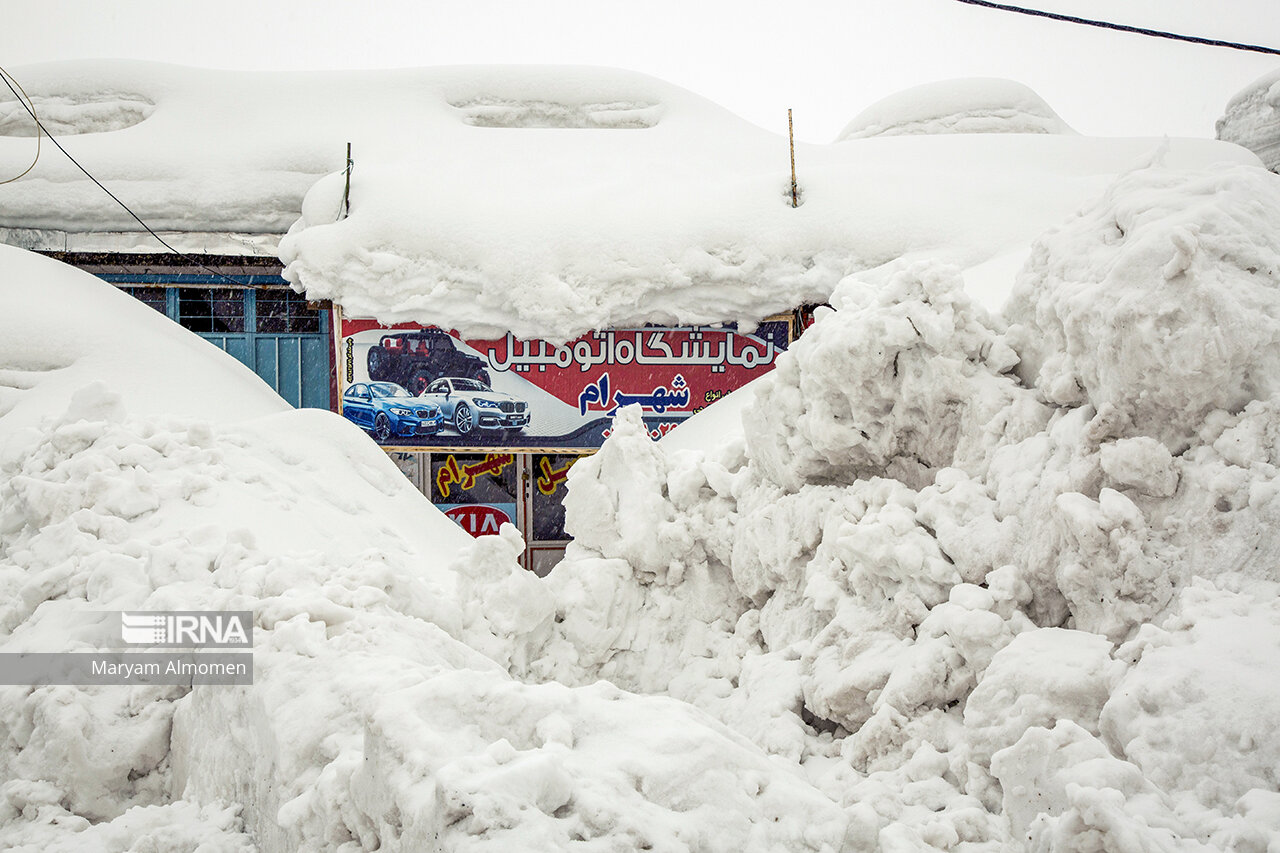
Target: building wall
241, 305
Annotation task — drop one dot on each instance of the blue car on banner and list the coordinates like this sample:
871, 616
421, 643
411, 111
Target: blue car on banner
387, 410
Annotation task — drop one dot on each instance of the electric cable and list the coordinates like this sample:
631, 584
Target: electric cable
39, 133
7, 77
1124, 28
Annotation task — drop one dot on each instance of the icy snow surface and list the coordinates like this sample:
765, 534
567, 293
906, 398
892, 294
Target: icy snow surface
973, 105
1252, 119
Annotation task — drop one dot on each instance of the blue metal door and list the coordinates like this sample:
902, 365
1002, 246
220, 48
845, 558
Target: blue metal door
268, 329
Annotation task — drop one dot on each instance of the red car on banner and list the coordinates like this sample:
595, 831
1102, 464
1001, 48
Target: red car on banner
508, 393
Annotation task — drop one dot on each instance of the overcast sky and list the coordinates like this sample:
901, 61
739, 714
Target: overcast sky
827, 60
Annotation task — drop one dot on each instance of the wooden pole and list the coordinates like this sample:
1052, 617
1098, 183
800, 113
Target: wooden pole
346, 192
791, 134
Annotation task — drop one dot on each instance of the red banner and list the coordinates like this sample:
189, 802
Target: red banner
422, 387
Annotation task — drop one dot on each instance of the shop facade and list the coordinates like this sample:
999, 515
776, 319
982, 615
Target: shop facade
242, 305
488, 429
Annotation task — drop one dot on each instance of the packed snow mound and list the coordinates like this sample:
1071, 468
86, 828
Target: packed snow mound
382, 714
972, 105
978, 614
1158, 304
1252, 119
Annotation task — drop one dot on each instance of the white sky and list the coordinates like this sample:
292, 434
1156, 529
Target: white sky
827, 60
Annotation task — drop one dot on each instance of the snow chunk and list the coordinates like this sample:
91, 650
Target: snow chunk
1192, 712
1140, 463
972, 105
1064, 791
1039, 678
621, 483
1252, 119
1161, 301
886, 386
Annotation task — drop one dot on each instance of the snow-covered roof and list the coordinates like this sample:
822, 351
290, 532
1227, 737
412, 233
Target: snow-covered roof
545, 201
200, 150
969, 105
1252, 119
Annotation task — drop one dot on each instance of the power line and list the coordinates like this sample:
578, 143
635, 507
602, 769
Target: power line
39, 133
1124, 28
7, 78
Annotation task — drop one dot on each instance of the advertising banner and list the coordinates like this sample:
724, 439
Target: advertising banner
424, 388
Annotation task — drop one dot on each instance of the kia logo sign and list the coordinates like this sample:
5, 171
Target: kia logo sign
477, 519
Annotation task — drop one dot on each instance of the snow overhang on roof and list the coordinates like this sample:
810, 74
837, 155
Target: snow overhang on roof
552, 233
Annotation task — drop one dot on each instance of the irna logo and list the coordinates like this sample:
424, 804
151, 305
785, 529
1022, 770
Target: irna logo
187, 628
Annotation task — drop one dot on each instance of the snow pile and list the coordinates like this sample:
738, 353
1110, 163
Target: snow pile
1252, 119
374, 721
972, 105
989, 581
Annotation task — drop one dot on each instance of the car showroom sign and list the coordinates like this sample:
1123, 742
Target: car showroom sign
417, 387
